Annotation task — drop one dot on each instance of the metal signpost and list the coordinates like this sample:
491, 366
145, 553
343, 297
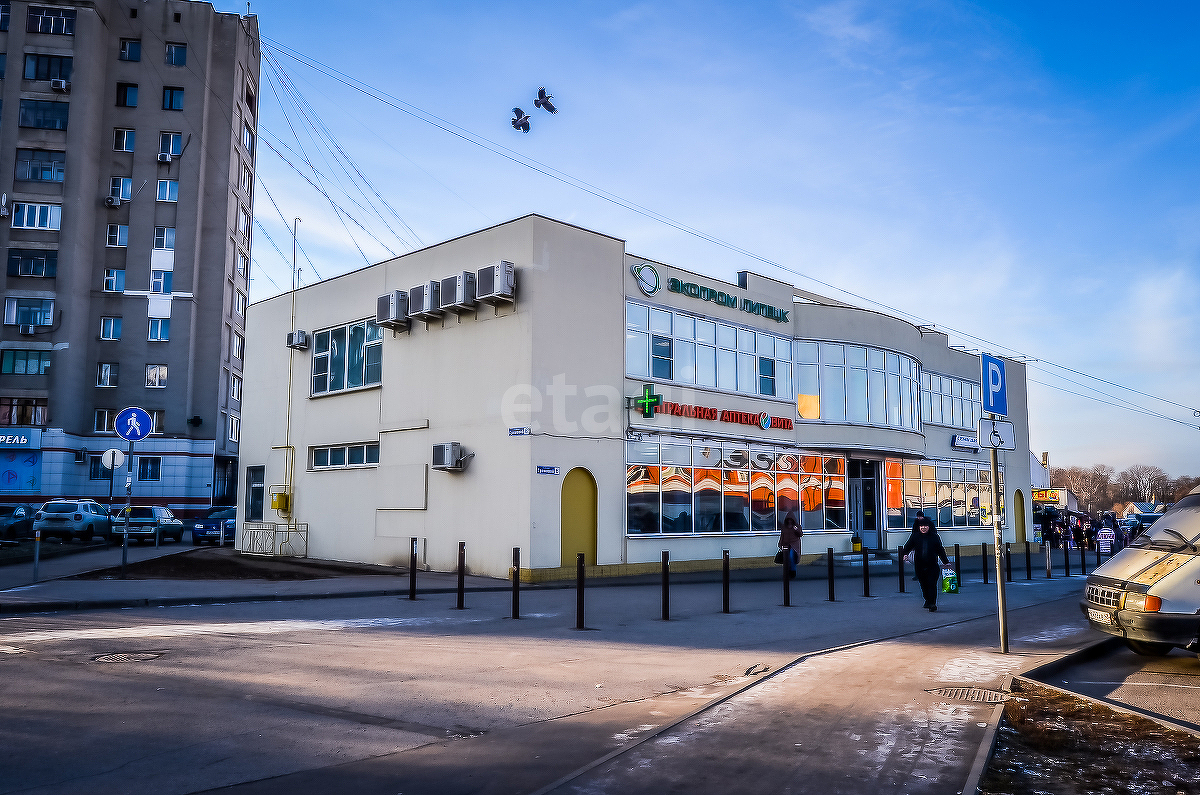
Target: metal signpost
112, 460
132, 424
996, 434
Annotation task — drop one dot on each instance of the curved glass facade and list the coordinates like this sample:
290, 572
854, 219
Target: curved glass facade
838, 382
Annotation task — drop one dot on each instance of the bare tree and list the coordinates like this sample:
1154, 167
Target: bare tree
1142, 483
1090, 485
1180, 487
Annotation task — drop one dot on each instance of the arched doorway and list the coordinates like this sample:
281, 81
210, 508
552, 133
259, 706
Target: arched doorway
1019, 513
578, 519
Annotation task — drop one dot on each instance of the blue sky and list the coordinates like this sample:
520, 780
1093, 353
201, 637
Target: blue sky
1023, 172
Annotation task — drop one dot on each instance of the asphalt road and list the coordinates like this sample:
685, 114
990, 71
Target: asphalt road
1167, 687
386, 695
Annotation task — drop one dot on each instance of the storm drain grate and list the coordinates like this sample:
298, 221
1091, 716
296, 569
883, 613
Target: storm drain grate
971, 694
136, 656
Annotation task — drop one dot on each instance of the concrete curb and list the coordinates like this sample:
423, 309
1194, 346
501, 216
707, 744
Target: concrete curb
988, 746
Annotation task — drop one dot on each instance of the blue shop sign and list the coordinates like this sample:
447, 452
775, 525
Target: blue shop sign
24, 438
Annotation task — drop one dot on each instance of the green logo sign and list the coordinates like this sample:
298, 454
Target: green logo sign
647, 402
646, 277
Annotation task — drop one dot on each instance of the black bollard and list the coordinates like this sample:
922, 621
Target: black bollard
958, 567
412, 569
462, 575
829, 561
579, 577
787, 580
666, 585
866, 575
983, 554
1008, 559
1028, 563
1097, 554
1082, 561
1049, 562
1067, 559
901, 557
37, 551
725, 581
516, 592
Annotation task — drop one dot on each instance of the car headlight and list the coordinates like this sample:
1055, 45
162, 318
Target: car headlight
1141, 602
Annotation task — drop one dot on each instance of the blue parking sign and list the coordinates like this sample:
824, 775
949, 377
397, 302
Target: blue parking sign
133, 424
995, 385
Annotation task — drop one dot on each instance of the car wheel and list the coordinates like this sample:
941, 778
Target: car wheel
178, 538
1149, 649
86, 536
195, 540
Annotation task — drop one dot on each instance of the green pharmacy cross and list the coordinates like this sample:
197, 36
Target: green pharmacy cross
647, 402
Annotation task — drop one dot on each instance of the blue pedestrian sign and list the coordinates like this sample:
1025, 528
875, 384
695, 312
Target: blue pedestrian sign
995, 385
133, 424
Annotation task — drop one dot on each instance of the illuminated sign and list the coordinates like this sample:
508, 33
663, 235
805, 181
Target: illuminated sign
1055, 496
650, 404
647, 402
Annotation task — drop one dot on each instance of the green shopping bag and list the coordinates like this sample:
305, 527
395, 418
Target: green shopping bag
949, 581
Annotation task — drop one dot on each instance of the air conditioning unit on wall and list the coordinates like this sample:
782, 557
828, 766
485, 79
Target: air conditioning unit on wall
449, 457
391, 310
298, 340
496, 283
62, 86
458, 292
423, 301
112, 201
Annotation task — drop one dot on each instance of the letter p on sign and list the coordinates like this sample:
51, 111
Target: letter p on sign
995, 385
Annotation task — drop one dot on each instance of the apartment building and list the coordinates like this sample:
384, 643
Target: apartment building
127, 144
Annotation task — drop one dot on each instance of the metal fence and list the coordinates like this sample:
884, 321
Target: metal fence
276, 540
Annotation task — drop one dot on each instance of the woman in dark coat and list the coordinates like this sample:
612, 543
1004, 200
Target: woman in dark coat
926, 548
789, 539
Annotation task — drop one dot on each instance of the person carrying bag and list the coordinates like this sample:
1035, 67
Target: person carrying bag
924, 548
789, 544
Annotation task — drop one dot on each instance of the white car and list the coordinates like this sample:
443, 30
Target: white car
66, 519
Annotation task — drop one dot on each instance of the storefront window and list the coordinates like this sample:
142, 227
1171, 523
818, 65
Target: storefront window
952, 494
642, 490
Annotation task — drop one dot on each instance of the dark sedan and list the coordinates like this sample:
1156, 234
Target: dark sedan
215, 526
16, 521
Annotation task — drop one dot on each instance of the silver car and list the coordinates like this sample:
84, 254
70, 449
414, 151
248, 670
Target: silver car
68, 519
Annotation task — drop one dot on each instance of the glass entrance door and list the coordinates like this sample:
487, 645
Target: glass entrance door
863, 498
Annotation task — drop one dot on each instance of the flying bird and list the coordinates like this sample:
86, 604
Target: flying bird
520, 120
543, 101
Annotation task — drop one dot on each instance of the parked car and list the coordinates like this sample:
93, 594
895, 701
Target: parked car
208, 527
145, 520
16, 521
67, 519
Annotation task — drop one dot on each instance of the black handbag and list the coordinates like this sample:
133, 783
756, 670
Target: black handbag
781, 556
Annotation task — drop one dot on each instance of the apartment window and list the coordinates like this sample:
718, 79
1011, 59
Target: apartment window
47, 67
24, 362
36, 216
131, 50
176, 54
250, 102
347, 357
110, 328
102, 420
172, 98
123, 140
118, 235
33, 262
243, 264
96, 468
237, 346
51, 20
341, 456
149, 467
160, 282
170, 143
24, 411
248, 138
127, 95
247, 183
121, 188
168, 190
5, 13
41, 165
114, 280
43, 114
156, 376
29, 311
158, 420
239, 304
160, 329
244, 225
235, 429
3, 64
107, 373
164, 238
235, 387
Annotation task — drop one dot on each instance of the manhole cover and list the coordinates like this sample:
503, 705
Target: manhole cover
136, 656
971, 694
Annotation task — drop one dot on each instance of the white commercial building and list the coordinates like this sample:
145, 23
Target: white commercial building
608, 404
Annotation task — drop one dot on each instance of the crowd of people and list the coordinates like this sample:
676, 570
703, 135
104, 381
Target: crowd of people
1074, 531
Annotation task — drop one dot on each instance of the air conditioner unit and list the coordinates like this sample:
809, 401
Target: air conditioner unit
28, 331
112, 201
423, 301
60, 85
298, 340
164, 157
496, 283
458, 292
391, 310
448, 456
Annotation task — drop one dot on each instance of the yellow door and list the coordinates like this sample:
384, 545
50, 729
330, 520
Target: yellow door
1019, 513
578, 521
